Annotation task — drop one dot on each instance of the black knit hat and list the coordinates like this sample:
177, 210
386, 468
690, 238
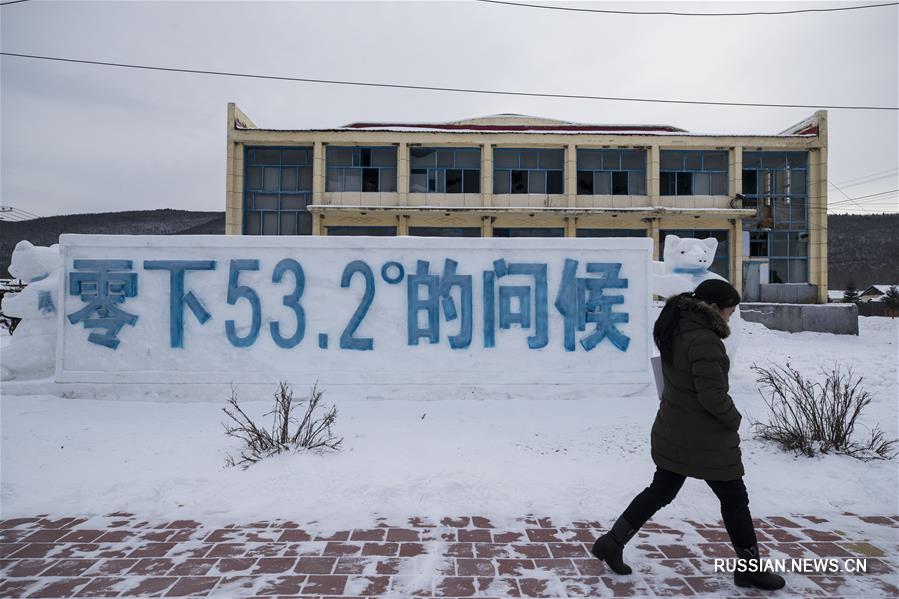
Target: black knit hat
718, 292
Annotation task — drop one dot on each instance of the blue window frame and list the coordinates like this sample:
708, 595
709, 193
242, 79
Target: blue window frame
775, 184
357, 168
371, 231
721, 261
611, 172
586, 232
277, 190
445, 231
444, 170
528, 170
692, 172
528, 232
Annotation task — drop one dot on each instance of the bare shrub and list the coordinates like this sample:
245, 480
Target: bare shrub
806, 416
312, 432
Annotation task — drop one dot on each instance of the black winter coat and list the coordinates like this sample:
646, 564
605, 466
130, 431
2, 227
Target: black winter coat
695, 430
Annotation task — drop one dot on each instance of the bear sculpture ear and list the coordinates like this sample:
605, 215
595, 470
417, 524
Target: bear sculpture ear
711, 243
671, 243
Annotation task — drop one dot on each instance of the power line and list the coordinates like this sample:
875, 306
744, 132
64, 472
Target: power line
890, 170
12, 2
435, 88
687, 14
870, 196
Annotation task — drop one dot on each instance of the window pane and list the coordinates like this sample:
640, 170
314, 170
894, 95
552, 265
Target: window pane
536, 181
339, 156
334, 179
781, 213
369, 179
288, 223
763, 182
453, 181
501, 182
633, 159
271, 176
797, 213
418, 181
519, 182
798, 181
468, 159
264, 201
611, 160
773, 160
552, 159
472, 181
797, 159
554, 182
294, 202
297, 157
528, 158
750, 182
304, 226
440, 185
779, 244
700, 184
719, 184
798, 271
432, 182
684, 184
777, 270
269, 223
288, 179
352, 179
363, 157
780, 182
752, 160
692, 161
268, 157
254, 178
585, 182
505, 158
254, 221
667, 184
388, 179
444, 158
383, 156
671, 161
602, 183
799, 244
619, 183
714, 161
589, 159
422, 157
637, 183
305, 183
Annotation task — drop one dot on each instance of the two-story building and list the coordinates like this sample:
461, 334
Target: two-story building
764, 197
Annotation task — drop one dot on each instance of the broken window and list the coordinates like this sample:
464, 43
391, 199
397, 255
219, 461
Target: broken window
367, 169
277, 190
616, 172
447, 170
693, 172
530, 170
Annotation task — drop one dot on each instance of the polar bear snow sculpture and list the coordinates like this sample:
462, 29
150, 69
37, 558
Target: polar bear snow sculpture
31, 352
685, 266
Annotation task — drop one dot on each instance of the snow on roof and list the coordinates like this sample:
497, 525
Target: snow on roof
881, 289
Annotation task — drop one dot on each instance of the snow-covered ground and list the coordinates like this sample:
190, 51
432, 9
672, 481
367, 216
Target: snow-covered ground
500, 458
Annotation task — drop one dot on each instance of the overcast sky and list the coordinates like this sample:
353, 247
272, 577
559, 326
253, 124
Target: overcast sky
82, 138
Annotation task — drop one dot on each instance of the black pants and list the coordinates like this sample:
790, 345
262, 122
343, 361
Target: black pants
664, 487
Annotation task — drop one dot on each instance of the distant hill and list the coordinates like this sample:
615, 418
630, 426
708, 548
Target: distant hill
46, 231
863, 249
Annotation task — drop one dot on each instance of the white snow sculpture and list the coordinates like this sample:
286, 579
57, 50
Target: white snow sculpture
31, 352
685, 266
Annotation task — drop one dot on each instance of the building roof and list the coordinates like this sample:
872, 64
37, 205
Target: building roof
876, 290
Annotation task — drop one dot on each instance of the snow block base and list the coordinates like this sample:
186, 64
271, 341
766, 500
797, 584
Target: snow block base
840, 319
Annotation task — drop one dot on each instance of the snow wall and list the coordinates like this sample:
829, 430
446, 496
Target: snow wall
355, 310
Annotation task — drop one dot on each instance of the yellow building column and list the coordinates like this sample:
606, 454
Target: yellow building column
402, 175
318, 186
230, 209
571, 176
653, 226
652, 174
570, 226
817, 221
486, 226
736, 254
402, 224
487, 178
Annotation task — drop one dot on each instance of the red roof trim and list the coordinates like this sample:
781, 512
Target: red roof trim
455, 127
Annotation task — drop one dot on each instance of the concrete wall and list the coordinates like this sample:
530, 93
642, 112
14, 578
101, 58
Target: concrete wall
841, 319
789, 293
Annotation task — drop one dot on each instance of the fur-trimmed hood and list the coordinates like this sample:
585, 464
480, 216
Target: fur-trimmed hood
703, 314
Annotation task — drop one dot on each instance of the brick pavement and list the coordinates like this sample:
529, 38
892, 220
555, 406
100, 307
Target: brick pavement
120, 555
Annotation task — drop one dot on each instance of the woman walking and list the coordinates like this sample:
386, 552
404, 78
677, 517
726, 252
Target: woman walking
695, 432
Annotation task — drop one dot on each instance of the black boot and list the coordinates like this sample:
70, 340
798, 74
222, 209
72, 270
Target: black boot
753, 576
610, 546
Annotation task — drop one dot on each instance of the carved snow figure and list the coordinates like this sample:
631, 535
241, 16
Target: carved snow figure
685, 266
31, 352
